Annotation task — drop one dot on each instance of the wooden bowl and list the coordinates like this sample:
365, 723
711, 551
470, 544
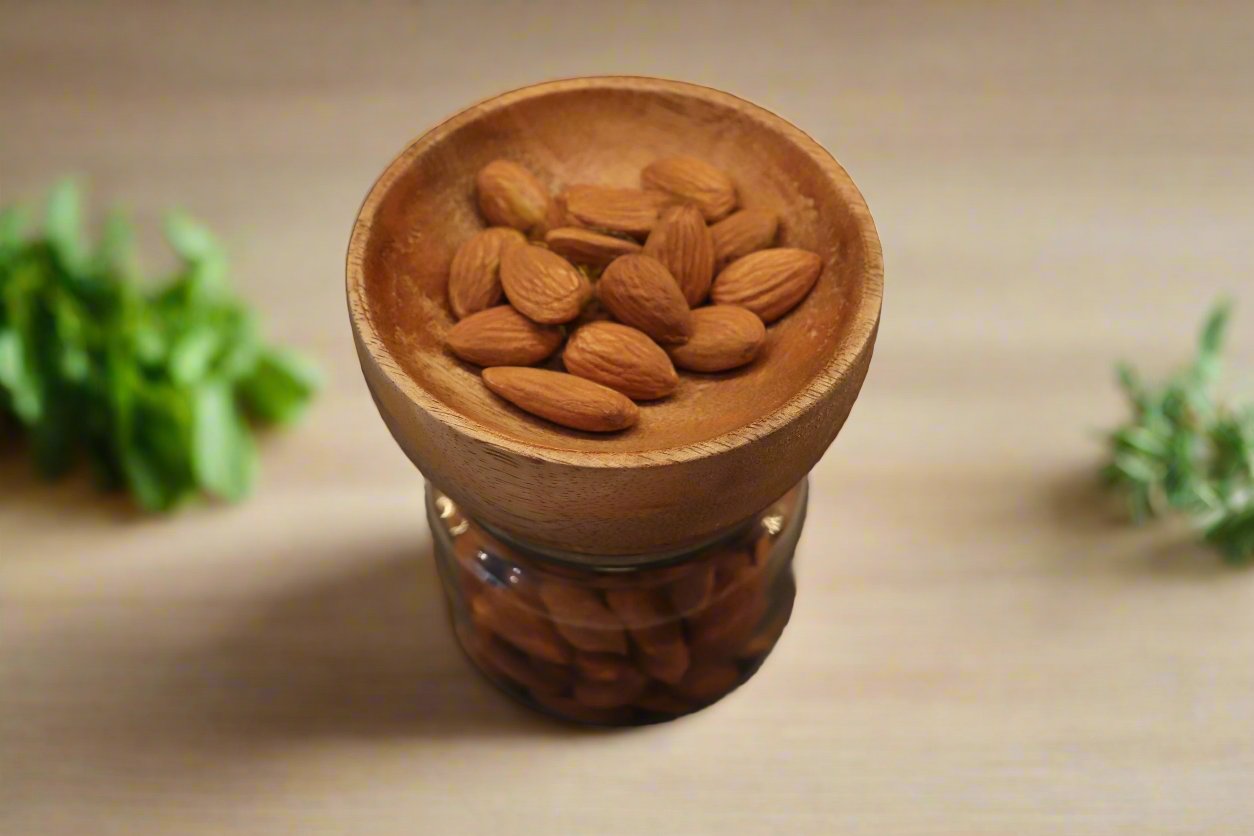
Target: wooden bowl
720, 449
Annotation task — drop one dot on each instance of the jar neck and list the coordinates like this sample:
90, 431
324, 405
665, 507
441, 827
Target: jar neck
632, 562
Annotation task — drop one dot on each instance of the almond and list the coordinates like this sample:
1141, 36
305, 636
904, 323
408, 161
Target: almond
474, 277
682, 242
583, 246
691, 591
602, 667
498, 611
501, 336
510, 195
708, 681
662, 653
728, 621
640, 292
655, 630
562, 398
621, 358
542, 285
695, 181
613, 694
723, 337
743, 232
769, 282
504, 659
633, 211
582, 618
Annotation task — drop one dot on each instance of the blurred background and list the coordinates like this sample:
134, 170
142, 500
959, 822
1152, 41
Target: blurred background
979, 644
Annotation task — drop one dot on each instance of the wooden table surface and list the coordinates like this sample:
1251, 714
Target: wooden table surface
979, 645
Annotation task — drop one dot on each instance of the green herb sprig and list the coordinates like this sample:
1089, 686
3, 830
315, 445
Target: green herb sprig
157, 385
1185, 450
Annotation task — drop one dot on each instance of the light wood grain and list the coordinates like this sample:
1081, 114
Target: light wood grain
978, 646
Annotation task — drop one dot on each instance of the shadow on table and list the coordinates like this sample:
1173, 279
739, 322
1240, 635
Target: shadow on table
1078, 500
358, 646
1080, 503
368, 652
73, 495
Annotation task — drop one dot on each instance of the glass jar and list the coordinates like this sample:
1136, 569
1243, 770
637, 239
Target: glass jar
626, 641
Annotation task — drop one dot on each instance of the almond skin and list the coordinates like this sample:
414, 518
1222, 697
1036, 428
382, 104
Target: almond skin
621, 358
693, 180
723, 337
542, 285
743, 232
474, 277
655, 631
583, 619
507, 660
769, 282
563, 398
583, 246
501, 336
638, 291
633, 211
498, 612
610, 695
682, 242
510, 195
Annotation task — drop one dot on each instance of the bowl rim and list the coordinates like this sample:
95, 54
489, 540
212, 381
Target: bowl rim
857, 338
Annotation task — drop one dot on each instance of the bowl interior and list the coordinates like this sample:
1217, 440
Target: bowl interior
423, 207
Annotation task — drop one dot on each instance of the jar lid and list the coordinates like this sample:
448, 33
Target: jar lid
717, 451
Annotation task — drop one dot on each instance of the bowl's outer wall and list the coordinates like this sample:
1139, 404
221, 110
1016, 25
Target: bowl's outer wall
606, 510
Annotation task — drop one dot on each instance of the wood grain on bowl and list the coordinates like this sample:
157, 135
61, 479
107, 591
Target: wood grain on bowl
753, 434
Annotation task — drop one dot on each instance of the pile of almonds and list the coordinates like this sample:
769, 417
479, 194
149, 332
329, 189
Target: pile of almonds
616, 648
657, 255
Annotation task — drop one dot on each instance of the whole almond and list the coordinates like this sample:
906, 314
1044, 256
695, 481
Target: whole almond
583, 246
563, 398
495, 610
638, 291
723, 337
743, 232
655, 630
729, 620
614, 694
474, 277
507, 660
682, 242
582, 618
542, 285
501, 336
707, 680
769, 282
695, 181
633, 211
621, 358
510, 195
602, 667
691, 591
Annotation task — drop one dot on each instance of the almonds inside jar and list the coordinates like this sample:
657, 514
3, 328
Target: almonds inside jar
619, 644
677, 261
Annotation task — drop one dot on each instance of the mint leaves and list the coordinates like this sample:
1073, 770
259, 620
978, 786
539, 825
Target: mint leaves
1184, 450
157, 387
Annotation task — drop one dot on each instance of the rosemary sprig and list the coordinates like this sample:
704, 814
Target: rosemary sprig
1184, 450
